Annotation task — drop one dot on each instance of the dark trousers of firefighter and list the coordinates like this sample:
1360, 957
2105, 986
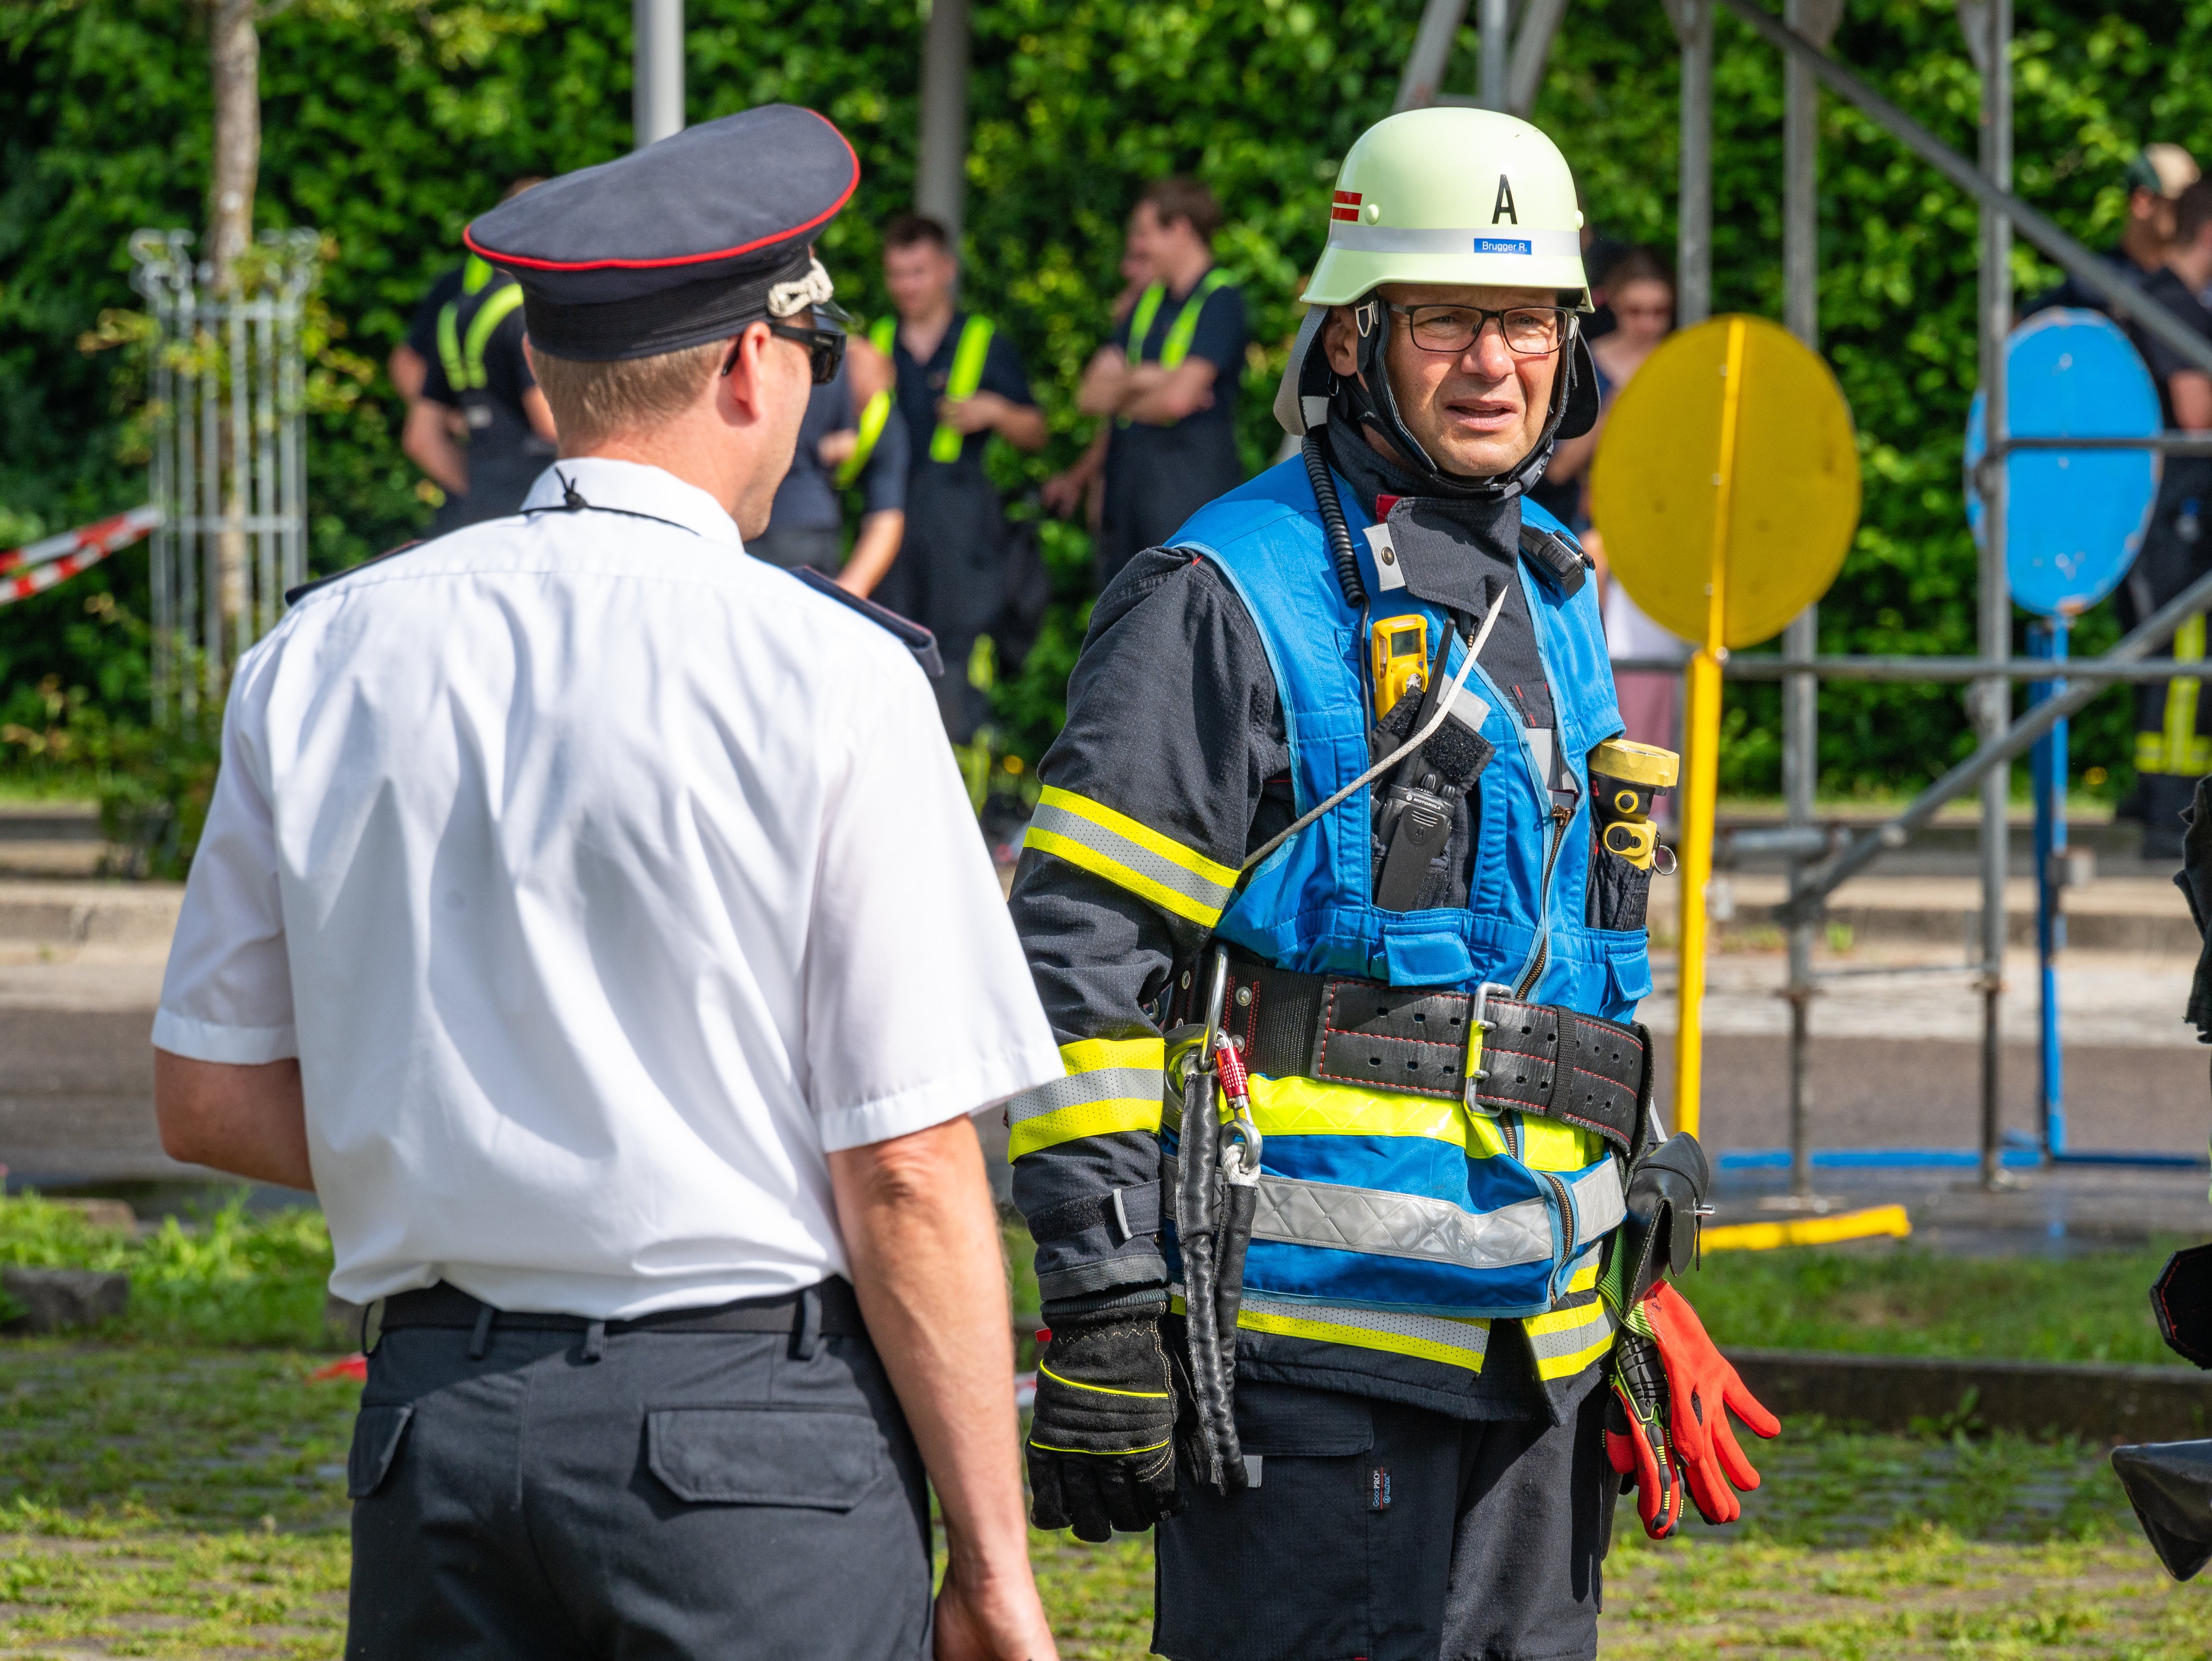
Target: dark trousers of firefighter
950, 577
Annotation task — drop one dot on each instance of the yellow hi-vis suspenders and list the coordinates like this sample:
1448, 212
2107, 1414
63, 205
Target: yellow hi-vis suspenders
966, 378
1176, 347
2176, 747
464, 357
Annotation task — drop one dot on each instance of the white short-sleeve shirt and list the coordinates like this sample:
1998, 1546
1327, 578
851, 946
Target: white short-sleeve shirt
603, 880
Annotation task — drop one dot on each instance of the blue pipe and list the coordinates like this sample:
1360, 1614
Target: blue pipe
2047, 770
2016, 1157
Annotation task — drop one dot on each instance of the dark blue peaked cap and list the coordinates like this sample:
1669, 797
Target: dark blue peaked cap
674, 245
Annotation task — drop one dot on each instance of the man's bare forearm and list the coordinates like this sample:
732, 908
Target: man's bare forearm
923, 1239
873, 551
249, 1121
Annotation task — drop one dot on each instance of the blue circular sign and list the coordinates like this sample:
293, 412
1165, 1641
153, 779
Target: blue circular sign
2074, 519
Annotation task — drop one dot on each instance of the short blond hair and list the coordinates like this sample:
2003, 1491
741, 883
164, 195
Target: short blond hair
593, 403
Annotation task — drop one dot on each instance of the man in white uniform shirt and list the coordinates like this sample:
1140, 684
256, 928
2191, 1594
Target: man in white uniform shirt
561, 921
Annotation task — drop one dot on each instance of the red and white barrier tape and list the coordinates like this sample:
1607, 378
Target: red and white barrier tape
57, 558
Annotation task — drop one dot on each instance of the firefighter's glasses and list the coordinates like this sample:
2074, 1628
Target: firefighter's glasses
1529, 331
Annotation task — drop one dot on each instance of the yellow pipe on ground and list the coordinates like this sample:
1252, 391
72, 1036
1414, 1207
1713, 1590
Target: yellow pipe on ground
1869, 1224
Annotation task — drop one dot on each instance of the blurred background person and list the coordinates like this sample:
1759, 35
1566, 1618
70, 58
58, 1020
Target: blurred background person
409, 365
2157, 174
959, 381
853, 437
1083, 485
1640, 293
2173, 728
1169, 379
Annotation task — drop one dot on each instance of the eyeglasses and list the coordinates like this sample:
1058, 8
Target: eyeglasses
1529, 331
825, 348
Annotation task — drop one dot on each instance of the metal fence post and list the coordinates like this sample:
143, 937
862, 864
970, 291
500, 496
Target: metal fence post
1693, 213
1993, 696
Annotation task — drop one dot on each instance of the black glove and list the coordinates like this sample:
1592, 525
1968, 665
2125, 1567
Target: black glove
1102, 1444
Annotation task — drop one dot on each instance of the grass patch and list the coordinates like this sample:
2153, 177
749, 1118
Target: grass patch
1902, 1301
229, 1277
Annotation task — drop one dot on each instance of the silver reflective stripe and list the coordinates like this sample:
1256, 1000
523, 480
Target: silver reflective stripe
1561, 1342
1059, 821
1599, 1207
1499, 239
1100, 1084
1384, 1224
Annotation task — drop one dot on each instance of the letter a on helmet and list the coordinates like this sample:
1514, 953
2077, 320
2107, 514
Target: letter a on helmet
1443, 195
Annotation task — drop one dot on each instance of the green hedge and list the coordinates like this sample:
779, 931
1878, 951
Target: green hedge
388, 126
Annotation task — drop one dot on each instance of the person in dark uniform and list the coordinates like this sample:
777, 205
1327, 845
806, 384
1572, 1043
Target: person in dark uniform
960, 382
481, 428
2173, 725
1168, 378
553, 923
408, 365
853, 437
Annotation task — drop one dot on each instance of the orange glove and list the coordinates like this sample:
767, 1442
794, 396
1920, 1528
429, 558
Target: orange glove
1676, 1415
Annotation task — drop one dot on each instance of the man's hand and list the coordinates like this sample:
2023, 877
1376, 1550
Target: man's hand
979, 414
923, 1236
1063, 493
836, 448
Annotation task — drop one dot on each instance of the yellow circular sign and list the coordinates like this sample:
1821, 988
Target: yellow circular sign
1784, 456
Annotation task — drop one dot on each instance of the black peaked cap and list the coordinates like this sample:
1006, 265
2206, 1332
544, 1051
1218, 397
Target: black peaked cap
674, 245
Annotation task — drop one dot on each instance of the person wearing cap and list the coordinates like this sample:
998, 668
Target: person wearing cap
2156, 176
1167, 379
2173, 725
546, 925
1364, 1303
960, 383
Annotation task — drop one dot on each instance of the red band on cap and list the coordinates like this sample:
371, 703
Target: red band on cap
822, 218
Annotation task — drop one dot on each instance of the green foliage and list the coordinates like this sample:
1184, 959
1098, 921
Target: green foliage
1906, 1301
233, 1277
388, 127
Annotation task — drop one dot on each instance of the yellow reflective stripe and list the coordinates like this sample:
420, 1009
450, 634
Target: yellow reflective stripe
1113, 1084
966, 376
1453, 1340
1130, 856
476, 272
1176, 347
2175, 748
884, 332
1584, 1279
449, 346
1090, 1055
493, 312
1141, 319
1090, 1118
1565, 1341
1149, 1395
872, 420
1098, 1453
1299, 1106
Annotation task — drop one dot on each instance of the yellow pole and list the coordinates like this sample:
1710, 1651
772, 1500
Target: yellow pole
1702, 766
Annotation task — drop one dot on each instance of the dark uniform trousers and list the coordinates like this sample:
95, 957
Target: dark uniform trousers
1392, 1533
950, 577
693, 1495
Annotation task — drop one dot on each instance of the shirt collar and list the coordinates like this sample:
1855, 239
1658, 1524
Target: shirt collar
634, 488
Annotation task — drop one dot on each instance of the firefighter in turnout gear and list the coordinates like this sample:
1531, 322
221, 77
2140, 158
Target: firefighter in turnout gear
1354, 1213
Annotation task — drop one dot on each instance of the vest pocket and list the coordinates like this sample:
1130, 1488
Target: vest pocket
376, 1436
748, 1456
1619, 892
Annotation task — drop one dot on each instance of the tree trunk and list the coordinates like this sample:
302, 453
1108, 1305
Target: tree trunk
234, 55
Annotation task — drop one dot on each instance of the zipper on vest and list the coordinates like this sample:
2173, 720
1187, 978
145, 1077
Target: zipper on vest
1535, 973
1569, 1233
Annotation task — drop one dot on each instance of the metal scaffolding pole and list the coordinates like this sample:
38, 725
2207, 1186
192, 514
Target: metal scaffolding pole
1816, 21
1993, 696
1432, 43
940, 177
1492, 18
1693, 213
656, 105
1532, 48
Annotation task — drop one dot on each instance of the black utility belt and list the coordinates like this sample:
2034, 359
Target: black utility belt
838, 1314
1539, 1059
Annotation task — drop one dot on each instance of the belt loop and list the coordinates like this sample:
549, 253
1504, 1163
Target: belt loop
595, 1340
807, 1332
372, 1325
480, 1340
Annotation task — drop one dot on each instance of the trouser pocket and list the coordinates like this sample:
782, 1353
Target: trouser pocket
765, 1456
377, 1432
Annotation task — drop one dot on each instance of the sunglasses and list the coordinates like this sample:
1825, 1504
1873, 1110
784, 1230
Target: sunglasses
825, 348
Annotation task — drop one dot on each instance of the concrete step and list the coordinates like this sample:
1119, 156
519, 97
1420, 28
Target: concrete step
54, 840
75, 914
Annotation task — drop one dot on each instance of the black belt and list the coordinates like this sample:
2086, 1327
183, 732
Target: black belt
1537, 1057
838, 1314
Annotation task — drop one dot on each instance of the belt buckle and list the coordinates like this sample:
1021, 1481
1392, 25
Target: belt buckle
1477, 1023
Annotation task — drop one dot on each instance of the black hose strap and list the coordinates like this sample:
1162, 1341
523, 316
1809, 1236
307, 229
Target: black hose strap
1213, 1372
1333, 525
